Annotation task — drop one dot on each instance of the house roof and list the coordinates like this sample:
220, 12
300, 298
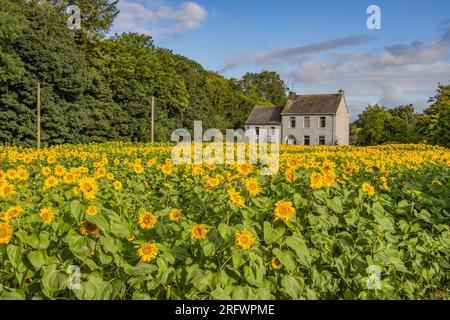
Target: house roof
265, 115
313, 104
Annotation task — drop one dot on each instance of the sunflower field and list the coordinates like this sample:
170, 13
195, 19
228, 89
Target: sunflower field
122, 221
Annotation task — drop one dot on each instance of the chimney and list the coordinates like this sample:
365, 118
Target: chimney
292, 95
341, 92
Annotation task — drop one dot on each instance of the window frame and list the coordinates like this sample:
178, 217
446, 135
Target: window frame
322, 138
309, 122
294, 120
306, 138
320, 122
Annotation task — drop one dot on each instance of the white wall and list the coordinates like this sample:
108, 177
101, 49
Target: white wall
342, 124
267, 128
313, 132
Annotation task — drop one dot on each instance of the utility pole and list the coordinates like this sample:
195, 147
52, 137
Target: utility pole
153, 120
38, 120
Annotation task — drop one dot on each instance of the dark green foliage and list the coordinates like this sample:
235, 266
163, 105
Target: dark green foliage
380, 125
434, 124
96, 89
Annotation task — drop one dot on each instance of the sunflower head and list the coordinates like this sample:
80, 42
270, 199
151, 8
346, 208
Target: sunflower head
245, 239
175, 215
252, 187
12, 213
88, 186
316, 180
199, 231
6, 233
117, 185
50, 182
147, 220
284, 210
148, 252
47, 215
276, 264
91, 211
368, 188
89, 229
235, 197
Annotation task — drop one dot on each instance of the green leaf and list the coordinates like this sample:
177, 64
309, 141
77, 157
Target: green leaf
76, 209
285, 258
141, 296
224, 231
14, 255
336, 205
37, 259
54, 279
292, 286
272, 235
13, 294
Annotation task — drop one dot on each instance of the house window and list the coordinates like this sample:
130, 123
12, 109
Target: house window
257, 131
306, 140
291, 140
272, 131
307, 122
292, 122
322, 122
321, 140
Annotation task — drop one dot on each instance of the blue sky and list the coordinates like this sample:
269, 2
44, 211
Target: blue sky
318, 45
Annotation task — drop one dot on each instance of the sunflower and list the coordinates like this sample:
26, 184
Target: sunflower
88, 187
6, 233
69, 177
235, 197
175, 215
12, 213
151, 162
252, 187
166, 169
147, 220
89, 229
276, 264
91, 211
290, 175
244, 169
47, 215
139, 169
60, 170
368, 188
316, 181
245, 239
117, 185
199, 232
148, 252
51, 159
329, 178
50, 182
213, 182
110, 176
284, 210
6, 190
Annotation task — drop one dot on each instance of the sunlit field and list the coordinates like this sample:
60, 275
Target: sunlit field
121, 221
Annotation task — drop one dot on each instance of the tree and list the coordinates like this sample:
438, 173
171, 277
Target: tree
267, 87
435, 122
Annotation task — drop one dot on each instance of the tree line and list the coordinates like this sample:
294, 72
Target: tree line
381, 125
97, 88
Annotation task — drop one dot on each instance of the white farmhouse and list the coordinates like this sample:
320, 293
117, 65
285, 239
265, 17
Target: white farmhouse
315, 119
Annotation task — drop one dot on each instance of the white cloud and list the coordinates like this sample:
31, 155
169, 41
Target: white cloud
157, 18
398, 74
